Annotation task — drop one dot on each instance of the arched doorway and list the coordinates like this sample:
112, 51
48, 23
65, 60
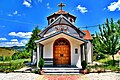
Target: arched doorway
61, 52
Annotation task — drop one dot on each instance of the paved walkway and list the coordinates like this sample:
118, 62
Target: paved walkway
18, 76
32, 76
60, 77
103, 76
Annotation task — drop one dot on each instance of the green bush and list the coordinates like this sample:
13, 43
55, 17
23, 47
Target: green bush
35, 71
41, 63
8, 58
15, 56
84, 64
100, 56
24, 55
110, 62
8, 67
2, 58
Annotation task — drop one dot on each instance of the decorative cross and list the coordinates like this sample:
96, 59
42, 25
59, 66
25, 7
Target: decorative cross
61, 5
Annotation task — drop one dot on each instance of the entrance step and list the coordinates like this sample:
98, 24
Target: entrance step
61, 70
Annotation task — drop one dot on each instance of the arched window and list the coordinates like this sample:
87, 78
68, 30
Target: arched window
71, 20
52, 20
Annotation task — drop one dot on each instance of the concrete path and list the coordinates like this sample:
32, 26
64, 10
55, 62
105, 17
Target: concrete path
103, 76
18, 76
32, 76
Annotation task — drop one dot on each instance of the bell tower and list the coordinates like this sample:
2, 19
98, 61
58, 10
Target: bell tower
69, 16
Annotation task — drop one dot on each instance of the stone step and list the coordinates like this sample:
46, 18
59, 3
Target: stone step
56, 68
61, 73
61, 70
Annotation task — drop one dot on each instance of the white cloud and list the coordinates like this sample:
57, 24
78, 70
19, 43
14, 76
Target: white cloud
16, 12
82, 9
114, 5
27, 3
14, 40
10, 44
104, 9
21, 34
25, 41
3, 39
10, 15
48, 5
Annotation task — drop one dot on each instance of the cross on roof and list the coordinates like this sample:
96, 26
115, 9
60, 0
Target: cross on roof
61, 5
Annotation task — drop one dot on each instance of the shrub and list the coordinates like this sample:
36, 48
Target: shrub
41, 63
24, 55
15, 56
84, 64
2, 58
100, 56
8, 58
35, 71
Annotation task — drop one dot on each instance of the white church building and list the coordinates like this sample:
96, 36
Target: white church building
62, 43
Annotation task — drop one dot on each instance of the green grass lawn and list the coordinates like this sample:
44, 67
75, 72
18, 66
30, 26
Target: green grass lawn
8, 66
16, 61
107, 63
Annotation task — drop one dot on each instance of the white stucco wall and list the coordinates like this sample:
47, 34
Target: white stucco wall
48, 50
74, 57
89, 52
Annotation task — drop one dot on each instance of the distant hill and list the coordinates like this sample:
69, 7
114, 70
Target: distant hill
9, 51
19, 48
6, 52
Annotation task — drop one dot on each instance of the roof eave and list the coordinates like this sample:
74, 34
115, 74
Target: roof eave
52, 35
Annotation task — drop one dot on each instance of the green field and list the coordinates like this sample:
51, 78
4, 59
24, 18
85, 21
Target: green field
16, 61
9, 66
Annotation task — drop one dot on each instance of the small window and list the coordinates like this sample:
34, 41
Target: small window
71, 20
52, 20
76, 51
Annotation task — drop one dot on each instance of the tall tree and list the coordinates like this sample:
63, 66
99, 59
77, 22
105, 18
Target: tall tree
31, 45
118, 23
107, 41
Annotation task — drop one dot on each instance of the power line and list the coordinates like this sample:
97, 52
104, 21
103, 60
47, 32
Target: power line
16, 21
95, 25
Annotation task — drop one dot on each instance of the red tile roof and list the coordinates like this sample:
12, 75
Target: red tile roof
61, 12
88, 35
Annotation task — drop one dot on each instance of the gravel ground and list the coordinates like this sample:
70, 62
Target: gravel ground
102, 76
32, 76
18, 76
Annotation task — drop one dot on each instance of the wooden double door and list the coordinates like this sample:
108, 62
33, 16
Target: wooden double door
61, 53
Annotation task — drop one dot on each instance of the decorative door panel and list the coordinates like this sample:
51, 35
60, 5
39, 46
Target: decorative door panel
61, 52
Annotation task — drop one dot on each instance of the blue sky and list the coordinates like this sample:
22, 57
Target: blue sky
19, 17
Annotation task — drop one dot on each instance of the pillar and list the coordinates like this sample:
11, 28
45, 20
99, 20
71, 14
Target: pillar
85, 49
38, 54
81, 52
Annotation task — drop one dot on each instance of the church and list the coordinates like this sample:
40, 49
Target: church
62, 43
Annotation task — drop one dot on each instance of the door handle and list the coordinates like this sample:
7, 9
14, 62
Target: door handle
61, 55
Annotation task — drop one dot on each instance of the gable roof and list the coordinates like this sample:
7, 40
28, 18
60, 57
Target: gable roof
88, 35
59, 12
57, 33
60, 20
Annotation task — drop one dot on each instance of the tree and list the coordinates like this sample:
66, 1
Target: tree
118, 22
31, 45
107, 41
